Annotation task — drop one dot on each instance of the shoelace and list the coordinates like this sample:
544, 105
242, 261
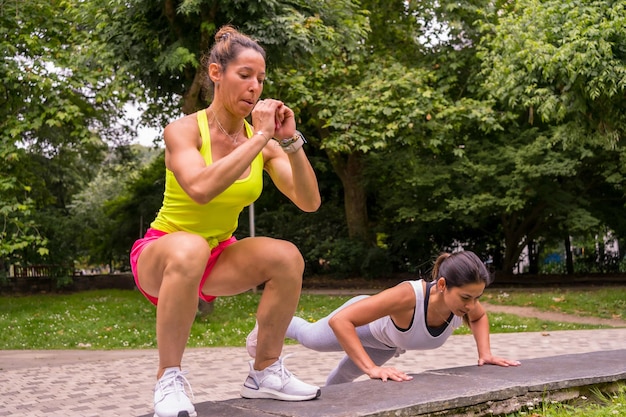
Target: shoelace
175, 383
284, 372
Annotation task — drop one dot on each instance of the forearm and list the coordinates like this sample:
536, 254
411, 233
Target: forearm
349, 340
211, 180
306, 190
480, 331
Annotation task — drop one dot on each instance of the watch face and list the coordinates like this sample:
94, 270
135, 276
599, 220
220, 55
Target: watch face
296, 137
287, 142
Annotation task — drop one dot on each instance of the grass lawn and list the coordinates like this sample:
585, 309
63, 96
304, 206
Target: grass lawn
603, 302
123, 319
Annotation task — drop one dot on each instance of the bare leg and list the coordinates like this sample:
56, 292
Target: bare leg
171, 269
279, 265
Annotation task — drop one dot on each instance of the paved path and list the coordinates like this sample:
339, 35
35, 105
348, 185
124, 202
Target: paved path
119, 383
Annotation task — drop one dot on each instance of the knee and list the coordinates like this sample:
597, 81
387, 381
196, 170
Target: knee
188, 257
281, 264
286, 257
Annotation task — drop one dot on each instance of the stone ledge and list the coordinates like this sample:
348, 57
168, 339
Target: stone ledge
463, 391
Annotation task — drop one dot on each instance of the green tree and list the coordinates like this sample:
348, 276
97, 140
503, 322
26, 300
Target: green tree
131, 177
130, 213
161, 43
167, 40
496, 179
60, 100
385, 91
557, 81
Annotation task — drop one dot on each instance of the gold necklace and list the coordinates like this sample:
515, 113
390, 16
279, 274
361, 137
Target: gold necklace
234, 136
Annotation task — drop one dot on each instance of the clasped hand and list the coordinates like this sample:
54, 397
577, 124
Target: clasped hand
274, 118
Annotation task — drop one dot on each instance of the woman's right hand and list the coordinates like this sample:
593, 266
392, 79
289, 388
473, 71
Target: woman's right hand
264, 116
386, 373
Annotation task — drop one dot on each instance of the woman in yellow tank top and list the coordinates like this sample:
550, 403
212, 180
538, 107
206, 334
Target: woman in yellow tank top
215, 162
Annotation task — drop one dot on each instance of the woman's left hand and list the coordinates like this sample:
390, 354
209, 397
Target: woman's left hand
285, 123
494, 360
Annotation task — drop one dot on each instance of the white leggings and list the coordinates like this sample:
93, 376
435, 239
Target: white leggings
320, 337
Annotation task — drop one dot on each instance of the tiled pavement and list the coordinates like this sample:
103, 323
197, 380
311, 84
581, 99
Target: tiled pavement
120, 383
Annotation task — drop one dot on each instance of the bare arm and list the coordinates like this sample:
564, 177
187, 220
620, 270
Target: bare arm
294, 176
200, 181
292, 173
479, 325
398, 300
204, 182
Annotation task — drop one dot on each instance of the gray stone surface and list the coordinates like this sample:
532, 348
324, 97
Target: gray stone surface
440, 390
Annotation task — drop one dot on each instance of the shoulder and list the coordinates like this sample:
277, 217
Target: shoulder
189, 121
182, 129
401, 295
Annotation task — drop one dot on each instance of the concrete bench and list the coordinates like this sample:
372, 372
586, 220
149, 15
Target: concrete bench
462, 391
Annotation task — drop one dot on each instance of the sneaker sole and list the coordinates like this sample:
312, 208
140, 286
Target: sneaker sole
276, 395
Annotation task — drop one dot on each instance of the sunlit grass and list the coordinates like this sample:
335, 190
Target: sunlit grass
603, 302
123, 319
108, 319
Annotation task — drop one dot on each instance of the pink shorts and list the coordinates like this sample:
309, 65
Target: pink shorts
152, 235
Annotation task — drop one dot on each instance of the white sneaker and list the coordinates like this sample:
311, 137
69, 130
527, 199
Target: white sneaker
251, 341
170, 397
276, 382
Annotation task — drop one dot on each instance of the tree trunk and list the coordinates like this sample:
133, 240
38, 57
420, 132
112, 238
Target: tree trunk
520, 229
569, 259
350, 172
192, 97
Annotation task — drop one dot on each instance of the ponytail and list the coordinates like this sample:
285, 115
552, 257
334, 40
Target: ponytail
460, 268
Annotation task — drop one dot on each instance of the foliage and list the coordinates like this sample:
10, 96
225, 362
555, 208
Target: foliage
101, 237
129, 213
19, 230
366, 99
564, 64
534, 175
60, 99
167, 39
492, 126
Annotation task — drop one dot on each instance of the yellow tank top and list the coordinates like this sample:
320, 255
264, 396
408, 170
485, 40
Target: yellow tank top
217, 220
